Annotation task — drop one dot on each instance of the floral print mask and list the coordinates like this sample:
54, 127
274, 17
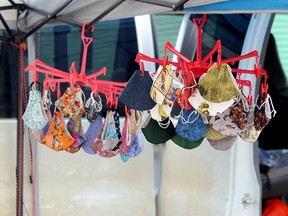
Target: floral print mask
34, 116
71, 103
58, 137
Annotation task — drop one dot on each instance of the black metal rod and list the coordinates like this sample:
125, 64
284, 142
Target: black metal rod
4, 38
6, 27
179, 5
49, 17
157, 2
7, 7
58, 18
13, 3
104, 13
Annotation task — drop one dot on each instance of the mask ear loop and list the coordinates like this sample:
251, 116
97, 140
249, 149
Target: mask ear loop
164, 125
259, 107
270, 104
83, 94
46, 99
236, 99
97, 102
184, 121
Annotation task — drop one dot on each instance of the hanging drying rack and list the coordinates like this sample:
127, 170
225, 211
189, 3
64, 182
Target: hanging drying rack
55, 76
201, 65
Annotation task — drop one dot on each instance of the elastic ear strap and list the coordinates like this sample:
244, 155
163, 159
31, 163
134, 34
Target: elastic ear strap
84, 101
184, 121
46, 99
164, 125
99, 104
270, 102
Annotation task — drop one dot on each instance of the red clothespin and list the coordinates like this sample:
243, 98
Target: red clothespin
165, 62
46, 85
58, 91
34, 77
127, 111
142, 68
264, 87
257, 68
249, 97
219, 58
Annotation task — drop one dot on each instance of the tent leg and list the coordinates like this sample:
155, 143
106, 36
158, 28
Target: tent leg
19, 166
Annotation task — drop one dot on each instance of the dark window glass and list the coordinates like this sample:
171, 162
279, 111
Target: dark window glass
8, 79
230, 29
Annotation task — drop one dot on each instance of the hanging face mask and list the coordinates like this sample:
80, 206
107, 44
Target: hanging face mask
91, 134
71, 103
136, 95
165, 86
242, 113
157, 132
250, 134
126, 136
98, 148
262, 111
224, 125
93, 107
58, 137
234, 120
34, 116
135, 119
75, 129
223, 144
110, 131
212, 134
190, 125
46, 101
218, 84
160, 112
136, 146
186, 77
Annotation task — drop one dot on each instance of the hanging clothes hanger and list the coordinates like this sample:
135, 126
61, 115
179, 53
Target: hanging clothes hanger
54, 75
201, 65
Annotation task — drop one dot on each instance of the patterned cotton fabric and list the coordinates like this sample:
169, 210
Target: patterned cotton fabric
58, 138
34, 116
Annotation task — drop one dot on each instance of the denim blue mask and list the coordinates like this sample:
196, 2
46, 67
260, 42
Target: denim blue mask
191, 126
136, 94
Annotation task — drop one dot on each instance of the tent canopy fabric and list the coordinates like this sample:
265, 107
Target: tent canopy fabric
37, 13
77, 12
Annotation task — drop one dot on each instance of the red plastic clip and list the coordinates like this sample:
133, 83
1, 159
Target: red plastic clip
142, 68
264, 87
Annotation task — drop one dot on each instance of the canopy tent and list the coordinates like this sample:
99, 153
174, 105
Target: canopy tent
30, 15
33, 13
